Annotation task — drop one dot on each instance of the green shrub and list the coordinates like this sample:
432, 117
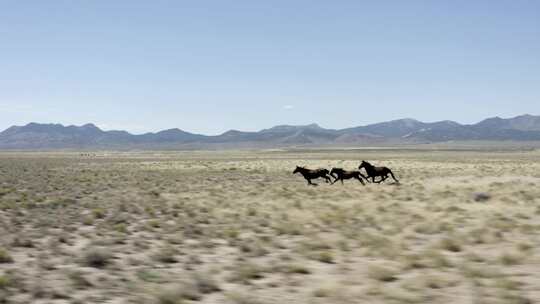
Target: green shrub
5, 257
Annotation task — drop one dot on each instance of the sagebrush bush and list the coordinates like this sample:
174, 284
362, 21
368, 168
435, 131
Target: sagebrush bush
97, 258
5, 282
450, 244
382, 273
205, 283
246, 272
169, 297
5, 257
166, 255
509, 259
79, 280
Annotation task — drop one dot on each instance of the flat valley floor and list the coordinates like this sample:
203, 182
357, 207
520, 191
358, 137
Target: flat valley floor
240, 228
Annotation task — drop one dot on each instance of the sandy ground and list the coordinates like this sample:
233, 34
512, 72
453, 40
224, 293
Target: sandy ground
238, 227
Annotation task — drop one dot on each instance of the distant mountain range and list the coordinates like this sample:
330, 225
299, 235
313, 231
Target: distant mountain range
402, 131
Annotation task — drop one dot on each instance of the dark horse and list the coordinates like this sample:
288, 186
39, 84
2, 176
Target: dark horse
341, 174
309, 174
373, 172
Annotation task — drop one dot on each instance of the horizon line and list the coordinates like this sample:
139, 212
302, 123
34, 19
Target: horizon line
274, 126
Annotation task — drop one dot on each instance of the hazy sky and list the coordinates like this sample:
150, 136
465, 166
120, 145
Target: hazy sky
210, 66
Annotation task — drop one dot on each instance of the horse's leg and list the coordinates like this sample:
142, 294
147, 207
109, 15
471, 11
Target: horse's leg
390, 171
377, 182
359, 179
362, 175
328, 179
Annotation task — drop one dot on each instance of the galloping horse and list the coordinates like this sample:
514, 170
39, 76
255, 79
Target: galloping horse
309, 174
373, 172
341, 174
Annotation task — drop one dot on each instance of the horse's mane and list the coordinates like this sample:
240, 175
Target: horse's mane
367, 164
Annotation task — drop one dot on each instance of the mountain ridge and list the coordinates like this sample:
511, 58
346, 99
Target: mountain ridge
57, 136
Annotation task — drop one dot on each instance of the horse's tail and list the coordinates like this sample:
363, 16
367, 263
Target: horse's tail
392, 174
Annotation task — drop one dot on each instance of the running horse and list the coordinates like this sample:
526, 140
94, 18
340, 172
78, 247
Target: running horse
340, 174
310, 174
373, 172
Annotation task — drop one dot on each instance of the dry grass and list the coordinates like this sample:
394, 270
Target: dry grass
238, 227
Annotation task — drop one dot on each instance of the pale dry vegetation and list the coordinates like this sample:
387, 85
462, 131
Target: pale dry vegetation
238, 227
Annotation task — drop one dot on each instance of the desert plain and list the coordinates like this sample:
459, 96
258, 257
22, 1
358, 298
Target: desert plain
238, 227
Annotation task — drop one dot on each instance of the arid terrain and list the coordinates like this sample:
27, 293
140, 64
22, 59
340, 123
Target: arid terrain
240, 228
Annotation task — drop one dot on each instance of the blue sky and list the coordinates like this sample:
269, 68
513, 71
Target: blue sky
210, 66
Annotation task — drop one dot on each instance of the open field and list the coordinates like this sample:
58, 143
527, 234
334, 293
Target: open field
239, 228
